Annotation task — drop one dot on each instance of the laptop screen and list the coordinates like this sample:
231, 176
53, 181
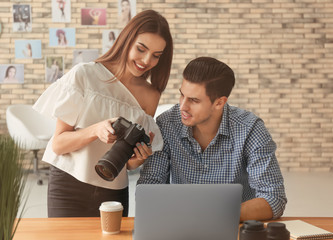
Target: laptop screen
187, 211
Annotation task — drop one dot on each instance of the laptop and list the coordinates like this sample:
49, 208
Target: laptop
187, 211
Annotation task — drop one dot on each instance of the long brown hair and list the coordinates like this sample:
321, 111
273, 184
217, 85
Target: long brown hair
148, 21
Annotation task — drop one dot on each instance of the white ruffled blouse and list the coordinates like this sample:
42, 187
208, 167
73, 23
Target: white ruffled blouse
84, 96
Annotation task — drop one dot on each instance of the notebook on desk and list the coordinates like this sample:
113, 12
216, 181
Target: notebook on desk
187, 211
302, 230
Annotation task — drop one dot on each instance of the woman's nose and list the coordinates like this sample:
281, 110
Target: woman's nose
146, 59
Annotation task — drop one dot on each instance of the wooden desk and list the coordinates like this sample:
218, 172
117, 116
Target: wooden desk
90, 228
69, 228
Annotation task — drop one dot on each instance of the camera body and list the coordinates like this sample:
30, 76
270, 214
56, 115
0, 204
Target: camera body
128, 134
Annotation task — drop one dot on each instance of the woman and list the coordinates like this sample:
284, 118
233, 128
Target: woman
62, 7
88, 99
54, 71
10, 75
125, 13
61, 35
27, 51
110, 41
95, 14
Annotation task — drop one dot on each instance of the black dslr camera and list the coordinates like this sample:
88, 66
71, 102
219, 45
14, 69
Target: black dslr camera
128, 134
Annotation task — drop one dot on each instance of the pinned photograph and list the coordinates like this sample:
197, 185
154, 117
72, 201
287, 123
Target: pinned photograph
28, 49
54, 68
21, 18
11, 73
84, 55
61, 10
93, 16
108, 38
126, 10
62, 37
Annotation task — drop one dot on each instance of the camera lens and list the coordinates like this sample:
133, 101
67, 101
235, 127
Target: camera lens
277, 231
106, 170
252, 230
110, 165
113, 161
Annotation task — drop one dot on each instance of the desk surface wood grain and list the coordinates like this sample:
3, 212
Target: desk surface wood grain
90, 228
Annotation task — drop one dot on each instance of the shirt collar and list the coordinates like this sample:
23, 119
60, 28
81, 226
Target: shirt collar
186, 132
224, 126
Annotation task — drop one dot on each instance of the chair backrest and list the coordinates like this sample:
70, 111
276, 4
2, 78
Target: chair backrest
162, 108
28, 128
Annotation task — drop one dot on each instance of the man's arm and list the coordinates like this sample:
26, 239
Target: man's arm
156, 168
256, 209
264, 176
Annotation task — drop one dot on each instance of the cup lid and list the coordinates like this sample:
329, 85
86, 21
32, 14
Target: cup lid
111, 206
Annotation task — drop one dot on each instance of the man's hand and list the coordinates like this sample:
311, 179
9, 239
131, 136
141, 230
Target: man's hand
256, 209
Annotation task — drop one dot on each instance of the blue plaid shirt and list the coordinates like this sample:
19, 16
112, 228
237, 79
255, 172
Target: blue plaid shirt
241, 152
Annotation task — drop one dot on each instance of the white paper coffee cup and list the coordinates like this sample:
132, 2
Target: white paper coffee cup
111, 215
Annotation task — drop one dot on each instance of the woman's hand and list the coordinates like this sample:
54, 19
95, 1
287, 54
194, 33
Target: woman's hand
67, 139
105, 132
141, 152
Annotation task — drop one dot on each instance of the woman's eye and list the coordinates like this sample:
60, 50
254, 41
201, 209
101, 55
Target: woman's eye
140, 50
155, 56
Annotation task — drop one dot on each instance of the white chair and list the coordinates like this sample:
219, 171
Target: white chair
162, 108
30, 130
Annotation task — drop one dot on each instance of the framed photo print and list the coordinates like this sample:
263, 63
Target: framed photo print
11, 73
21, 18
93, 16
61, 10
62, 37
108, 38
126, 10
84, 55
28, 49
54, 68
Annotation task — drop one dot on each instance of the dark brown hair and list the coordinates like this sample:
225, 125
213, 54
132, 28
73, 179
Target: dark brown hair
218, 77
7, 71
148, 21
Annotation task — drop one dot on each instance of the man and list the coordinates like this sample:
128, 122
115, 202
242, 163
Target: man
208, 141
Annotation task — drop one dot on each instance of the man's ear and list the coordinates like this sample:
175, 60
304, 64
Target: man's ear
220, 102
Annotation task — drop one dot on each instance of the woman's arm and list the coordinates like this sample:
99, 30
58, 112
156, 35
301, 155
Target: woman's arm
67, 139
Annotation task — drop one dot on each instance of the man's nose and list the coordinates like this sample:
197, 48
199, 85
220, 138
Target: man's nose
183, 106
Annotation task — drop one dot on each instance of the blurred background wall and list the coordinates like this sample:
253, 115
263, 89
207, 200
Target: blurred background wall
280, 50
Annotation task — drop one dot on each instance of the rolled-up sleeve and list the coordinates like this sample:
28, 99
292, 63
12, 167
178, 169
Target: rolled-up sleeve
263, 168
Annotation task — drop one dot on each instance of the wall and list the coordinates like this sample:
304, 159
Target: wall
280, 50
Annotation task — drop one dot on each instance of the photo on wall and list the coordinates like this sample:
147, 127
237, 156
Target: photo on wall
84, 55
93, 16
25, 49
62, 37
126, 10
11, 73
108, 38
54, 68
22, 18
61, 10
